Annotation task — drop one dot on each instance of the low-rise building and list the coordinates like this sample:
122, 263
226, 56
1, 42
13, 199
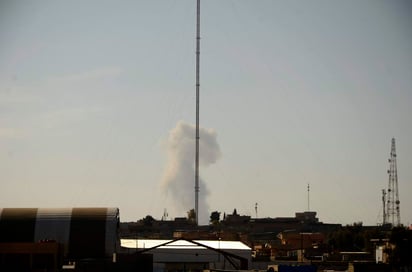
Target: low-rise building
185, 255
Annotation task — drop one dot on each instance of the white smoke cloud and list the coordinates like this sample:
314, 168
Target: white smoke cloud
178, 179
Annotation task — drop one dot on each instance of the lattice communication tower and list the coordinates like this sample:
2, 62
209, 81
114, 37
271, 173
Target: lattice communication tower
392, 208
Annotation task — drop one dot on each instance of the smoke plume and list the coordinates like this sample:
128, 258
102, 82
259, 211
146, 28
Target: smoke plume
178, 179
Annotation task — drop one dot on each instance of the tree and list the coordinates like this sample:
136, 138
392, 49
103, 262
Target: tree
191, 215
401, 238
148, 220
215, 218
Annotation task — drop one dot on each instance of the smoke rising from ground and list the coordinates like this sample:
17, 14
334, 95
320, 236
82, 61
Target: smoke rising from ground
178, 179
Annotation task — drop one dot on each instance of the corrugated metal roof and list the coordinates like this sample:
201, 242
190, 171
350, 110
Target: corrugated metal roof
55, 214
59, 213
182, 244
83, 232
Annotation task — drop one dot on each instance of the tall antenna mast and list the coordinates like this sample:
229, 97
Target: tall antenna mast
393, 213
197, 112
308, 197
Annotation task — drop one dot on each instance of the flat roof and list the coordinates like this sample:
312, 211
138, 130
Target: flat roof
183, 244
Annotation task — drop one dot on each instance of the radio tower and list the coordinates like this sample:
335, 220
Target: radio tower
197, 112
392, 212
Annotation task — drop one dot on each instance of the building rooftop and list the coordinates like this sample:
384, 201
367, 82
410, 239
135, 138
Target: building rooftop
182, 244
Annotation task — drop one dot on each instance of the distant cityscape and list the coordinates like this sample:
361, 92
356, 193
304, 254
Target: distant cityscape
302, 238
94, 239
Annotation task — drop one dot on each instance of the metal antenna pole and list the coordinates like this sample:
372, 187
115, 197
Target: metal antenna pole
393, 213
197, 112
395, 180
308, 197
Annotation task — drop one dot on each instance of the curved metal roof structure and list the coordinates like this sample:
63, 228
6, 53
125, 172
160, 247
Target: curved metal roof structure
83, 232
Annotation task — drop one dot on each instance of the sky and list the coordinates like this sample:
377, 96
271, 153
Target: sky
94, 93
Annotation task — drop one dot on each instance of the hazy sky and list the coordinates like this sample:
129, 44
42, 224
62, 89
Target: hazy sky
294, 92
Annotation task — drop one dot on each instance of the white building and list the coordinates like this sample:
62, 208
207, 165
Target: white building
191, 255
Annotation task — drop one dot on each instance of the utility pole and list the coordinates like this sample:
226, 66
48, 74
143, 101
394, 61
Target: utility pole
256, 209
384, 206
197, 112
393, 203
